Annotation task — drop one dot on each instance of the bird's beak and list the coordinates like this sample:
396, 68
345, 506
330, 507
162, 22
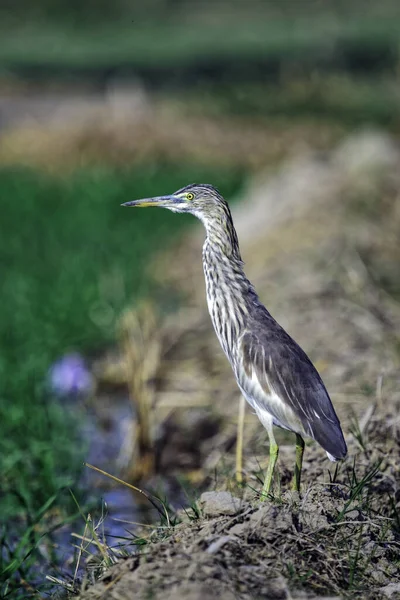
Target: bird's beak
166, 201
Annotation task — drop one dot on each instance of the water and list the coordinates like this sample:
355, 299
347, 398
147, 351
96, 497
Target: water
107, 424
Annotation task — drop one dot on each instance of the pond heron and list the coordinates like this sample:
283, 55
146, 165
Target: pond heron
274, 374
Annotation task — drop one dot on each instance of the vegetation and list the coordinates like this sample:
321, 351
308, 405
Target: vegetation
335, 98
127, 43
99, 36
71, 260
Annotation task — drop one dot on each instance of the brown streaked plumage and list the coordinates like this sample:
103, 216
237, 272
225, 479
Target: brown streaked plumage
274, 374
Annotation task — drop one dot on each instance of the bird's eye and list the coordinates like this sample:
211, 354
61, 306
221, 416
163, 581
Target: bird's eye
189, 196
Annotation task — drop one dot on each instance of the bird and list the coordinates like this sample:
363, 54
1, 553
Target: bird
272, 371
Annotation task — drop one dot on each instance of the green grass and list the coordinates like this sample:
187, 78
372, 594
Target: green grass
328, 98
182, 41
71, 260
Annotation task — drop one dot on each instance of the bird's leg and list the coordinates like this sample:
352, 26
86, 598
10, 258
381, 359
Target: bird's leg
239, 440
273, 456
299, 463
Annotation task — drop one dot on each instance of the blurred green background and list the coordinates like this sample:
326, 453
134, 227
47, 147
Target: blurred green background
102, 102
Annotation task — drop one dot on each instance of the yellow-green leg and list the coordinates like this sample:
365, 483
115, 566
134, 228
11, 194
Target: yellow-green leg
299, 463
239, 440
273, 457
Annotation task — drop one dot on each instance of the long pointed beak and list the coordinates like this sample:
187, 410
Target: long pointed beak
166, 201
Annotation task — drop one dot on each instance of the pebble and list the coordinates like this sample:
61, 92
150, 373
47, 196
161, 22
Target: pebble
392, 590
215, 504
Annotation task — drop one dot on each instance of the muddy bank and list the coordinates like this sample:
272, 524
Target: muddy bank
340, 538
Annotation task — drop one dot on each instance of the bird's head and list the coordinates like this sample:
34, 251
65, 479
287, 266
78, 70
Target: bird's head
201, 200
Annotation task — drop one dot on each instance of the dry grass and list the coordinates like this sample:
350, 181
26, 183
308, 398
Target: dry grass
126, 127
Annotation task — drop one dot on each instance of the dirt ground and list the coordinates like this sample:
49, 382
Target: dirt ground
321, 239
338, 539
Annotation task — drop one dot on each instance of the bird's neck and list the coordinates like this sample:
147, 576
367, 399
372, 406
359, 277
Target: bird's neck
221, 235
229, 292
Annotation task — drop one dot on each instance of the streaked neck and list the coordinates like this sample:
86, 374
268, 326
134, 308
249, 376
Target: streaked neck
221, 235
229, 292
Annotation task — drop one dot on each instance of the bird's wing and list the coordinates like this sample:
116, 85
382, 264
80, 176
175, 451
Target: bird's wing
283, 368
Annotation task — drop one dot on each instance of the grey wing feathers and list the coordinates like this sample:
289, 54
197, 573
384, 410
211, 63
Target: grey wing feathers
283, 367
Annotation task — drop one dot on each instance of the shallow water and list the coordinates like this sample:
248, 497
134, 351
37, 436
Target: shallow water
107, 425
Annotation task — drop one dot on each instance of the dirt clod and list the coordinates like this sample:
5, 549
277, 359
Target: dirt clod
392, 591
214, 504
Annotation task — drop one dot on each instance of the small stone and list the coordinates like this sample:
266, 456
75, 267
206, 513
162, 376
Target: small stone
392, 590
352, 515
215, 504
379, 577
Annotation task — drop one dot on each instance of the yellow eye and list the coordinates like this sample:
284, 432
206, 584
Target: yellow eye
189, 196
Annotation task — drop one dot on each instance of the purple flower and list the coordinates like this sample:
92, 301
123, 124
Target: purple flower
69, 376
